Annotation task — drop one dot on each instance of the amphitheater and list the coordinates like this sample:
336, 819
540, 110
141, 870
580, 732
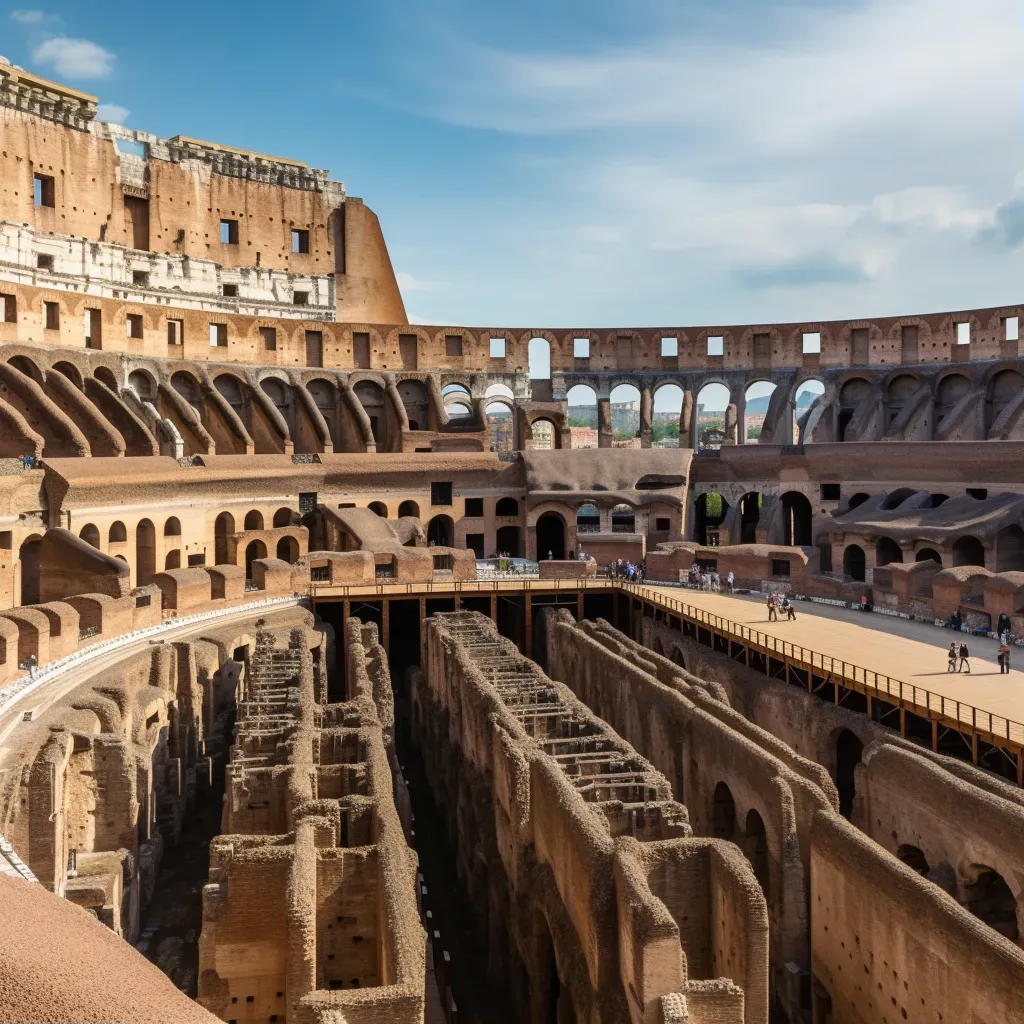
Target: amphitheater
282, 739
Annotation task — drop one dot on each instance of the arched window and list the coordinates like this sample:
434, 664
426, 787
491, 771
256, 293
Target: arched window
118, 534
441, 531
173, 559
506, 507
581, 402
408, 508
623, 519
28, 555
539, 352
283, 517
255, 549
90, 534
145, 552
755, 403
550, 537
543, 435
588, 519
928, 555
223, 528
625, 409
501, 426
854, 562
253, 520
750, 515
849, 750
667, 412
886, 551
141, 382
172, 528
70, 371
723, 813
288, 549
968, 551
796, 519
378, 508
712, 403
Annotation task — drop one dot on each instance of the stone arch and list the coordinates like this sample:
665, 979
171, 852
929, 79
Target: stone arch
378, 508
117, 534
855, 562
723, 815
106, 377
254, 549
857, 499
1010, 549
898, 391
545, 434
988, 897
852, 394
754, 414
70, 371
588, 518
27, 367
755, 846
896, 498
950, 390
501, 425
968, 550
284, 517
710, 510
928, 555
913, 857
710, 411
677, 657
370, 396
849, 752
223, 528
145, 552
413, 393
750, 506
288, 549
623, 519
886, 551
143, 383
625, 421
172, 527
538, 351
797, 517
441, 531
90, 534
506, 507
408, 508
253, 520
187, 387
173, 559
29, 556
551, 536
1003, 387
807, 392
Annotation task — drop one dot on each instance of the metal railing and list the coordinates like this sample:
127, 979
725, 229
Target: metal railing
998, 729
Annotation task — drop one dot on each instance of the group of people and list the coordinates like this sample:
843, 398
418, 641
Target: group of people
780, 603
710, 580
623, 570
28, 461
958, 655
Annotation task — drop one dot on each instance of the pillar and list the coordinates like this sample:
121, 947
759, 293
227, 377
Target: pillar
604, 423
494, 608
528, 645
687, 426
385, 626
646, 418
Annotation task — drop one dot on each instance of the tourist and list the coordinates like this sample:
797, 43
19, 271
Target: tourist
952, 657
964, 655
1004, 626
551, 555
787, 607
1004, 658
773, 614
730, 582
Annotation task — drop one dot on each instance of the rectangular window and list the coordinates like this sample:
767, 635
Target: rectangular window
141, 278
1010, 328
812, 343
474, 508
830, 492
780, 566
670, 347
361, 350
134, 325
199, 559
408, 351
269, 336
859, 338
443, 563
9, 309
45, 192
908, 343
52, 311
662, 525
229, 232
441, 493
581, 348
44, 261
963, 334
93, 328
175, 332
300, 241
716, 343
497, 348
314, 348
307, 502
300, 298
475, 542
453, 345
218, 335
229, 291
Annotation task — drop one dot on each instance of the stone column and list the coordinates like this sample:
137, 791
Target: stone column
686, 425
646, 418
604, 422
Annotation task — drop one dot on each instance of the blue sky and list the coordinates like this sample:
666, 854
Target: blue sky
646, 163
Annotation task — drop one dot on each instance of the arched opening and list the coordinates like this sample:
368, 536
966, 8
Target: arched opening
928, 555
755, 403
849, 750
623, 519
550, 537
378, 508
90, 534
544, 435
723, 814
370, 396
145, 552
70, 371
506, 507
588, 519
509, 541
106, 378
552, 1000
711, 509
667, 409
441, 531
886, 551
796, 519
1010, 549
712, 402
288, 549
501, 426
755, 846
413, 394
581, 402
913, 858
254, 549
896, 498
539, 353
677, 658
408, 508
968, 550
937, 500
806, 395
857, 499
277, 392
854, 562
459, 410
325, 398
28, 555
900, 390
284, 517
750, 514
117, 533
172, 528
27, 367
990, 899
173, 559
223, 528
851, 395
1002, 390
142, 384
952, 389
625, 408
185, 385
253, 520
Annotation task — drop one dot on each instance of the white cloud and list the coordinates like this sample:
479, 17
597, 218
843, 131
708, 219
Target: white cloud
112, 112
409, 283
74, 58
26, 17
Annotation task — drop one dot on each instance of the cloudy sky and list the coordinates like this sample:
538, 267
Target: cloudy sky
603, 162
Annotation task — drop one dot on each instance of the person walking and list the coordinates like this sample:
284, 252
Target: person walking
964, 655
772, 610
787, 607
952, 657
730, 581
1004, 658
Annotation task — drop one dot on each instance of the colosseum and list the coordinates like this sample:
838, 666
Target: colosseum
350, 673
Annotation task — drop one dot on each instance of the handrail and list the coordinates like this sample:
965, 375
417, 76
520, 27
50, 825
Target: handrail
854, 677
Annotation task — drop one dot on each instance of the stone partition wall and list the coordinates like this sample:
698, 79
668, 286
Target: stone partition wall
580, 861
